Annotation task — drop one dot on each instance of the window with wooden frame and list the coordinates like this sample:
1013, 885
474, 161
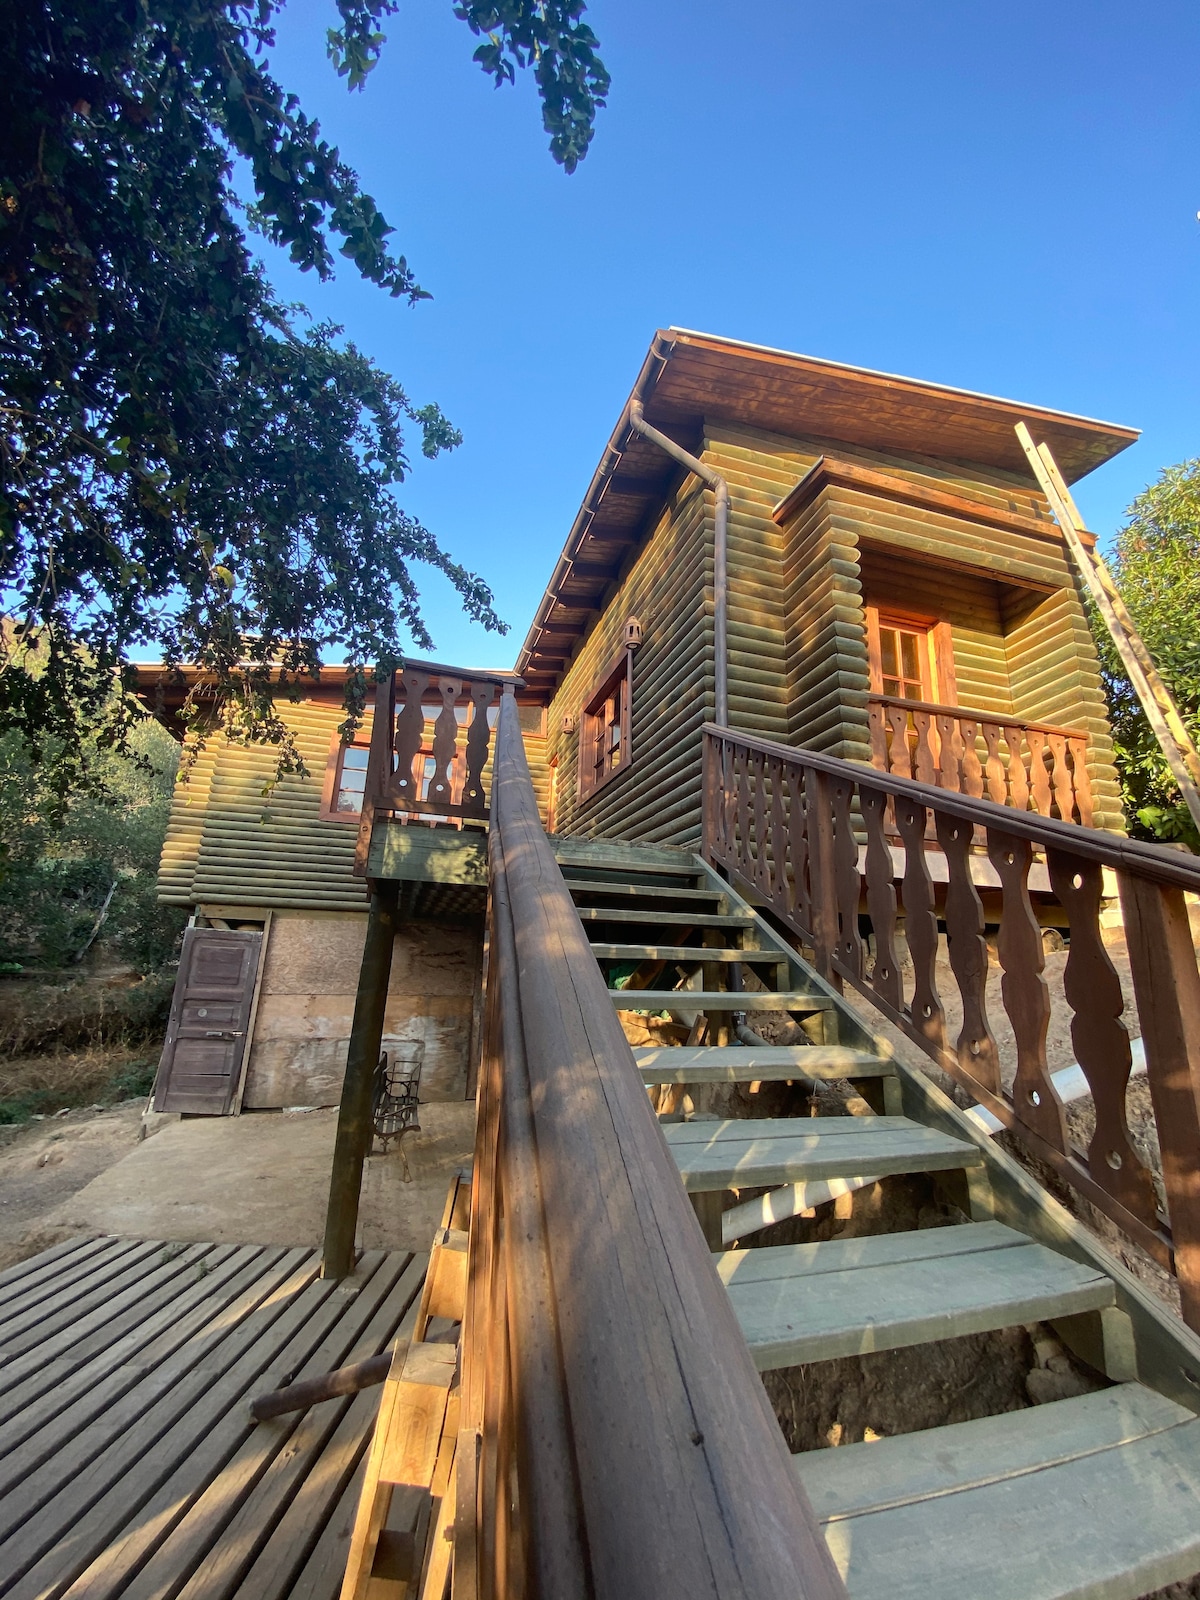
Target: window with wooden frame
605, 745
911, 656
345, 780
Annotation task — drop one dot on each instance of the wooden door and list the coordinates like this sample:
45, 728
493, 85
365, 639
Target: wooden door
206, 1034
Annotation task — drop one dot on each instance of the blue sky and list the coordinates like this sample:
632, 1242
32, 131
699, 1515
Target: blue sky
998, 197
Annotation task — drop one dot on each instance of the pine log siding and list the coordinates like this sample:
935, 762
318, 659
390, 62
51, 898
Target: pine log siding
228, 843
668, 586
798, 664
258, 849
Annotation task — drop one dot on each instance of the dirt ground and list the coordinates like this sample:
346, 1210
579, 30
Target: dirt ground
261, 1178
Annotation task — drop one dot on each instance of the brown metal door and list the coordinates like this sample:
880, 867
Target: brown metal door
206, 1033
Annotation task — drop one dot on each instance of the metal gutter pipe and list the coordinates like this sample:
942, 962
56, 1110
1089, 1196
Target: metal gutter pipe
720, 489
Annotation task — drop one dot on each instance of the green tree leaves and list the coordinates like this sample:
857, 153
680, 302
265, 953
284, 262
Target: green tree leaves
188, 468
547, 35
1156, 565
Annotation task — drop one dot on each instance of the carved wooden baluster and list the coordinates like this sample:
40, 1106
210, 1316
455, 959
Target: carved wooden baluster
742, 856
1039, 778
978, 1057
972, 772
997, 787
801, 898
878, 732
410, 735
846, 877
1101, 1041
881, 897
1166, 981
1064, 789
920, 925
925, 769
950, 754
761, 865
445, 738
779, 837
822, 872
1018, 779
1026, 998
479, 737
1083, 782
901, 756
729, 786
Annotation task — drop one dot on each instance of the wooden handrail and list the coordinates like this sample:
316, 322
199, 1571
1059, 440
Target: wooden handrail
617, 1406
786, 824
967, 714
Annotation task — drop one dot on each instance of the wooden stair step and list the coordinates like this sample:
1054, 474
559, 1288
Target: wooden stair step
668, 919
756, 1064
752, 1152
642, 891
627, 868
842, 1297
1095, 1498
686, 952
719, 1000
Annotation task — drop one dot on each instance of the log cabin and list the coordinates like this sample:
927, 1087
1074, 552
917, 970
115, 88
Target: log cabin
809, 713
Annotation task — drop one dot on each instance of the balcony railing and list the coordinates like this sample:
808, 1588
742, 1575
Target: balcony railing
1029, 765
430, 743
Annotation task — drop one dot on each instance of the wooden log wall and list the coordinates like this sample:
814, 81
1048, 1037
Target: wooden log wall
185, 831
263, 850
668, 587
229, 844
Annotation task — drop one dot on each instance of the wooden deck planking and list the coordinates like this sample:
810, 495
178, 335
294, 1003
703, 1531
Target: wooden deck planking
130, 1466
74, 1379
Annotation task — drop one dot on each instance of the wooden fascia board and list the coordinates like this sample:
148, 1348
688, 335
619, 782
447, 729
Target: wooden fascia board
830, 472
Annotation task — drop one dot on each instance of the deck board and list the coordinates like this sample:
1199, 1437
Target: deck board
130, 1468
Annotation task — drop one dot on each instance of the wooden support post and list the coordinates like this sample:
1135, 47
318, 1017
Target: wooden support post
354, 1114
1167, 986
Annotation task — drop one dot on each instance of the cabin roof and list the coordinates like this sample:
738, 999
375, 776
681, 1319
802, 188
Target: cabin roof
688, 377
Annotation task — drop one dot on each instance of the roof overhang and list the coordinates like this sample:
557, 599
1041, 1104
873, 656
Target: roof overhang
688, 377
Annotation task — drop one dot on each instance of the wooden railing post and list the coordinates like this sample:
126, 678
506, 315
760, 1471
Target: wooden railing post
354, 1114
1167, 986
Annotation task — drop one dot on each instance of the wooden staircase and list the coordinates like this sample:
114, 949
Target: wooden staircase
1096, 1496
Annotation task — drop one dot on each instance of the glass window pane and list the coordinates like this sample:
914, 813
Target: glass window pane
887, 653
355, 757
892, 686
908, 645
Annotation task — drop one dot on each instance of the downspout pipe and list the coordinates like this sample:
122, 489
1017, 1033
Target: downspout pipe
720, 489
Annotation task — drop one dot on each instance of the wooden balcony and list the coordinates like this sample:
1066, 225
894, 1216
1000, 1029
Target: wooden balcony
1029, 765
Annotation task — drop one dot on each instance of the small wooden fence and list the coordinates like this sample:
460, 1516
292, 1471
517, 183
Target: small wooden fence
431, 739
785, 824
1029, 765
617, 1442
